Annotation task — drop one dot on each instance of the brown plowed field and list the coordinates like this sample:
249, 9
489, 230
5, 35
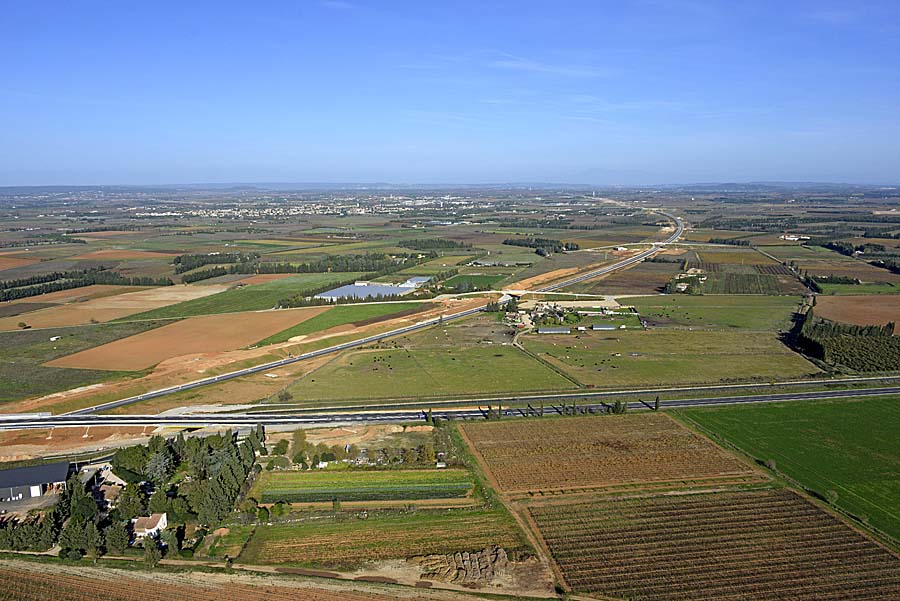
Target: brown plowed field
596, 452
113, 306
262, 278
203, 334
758, 544
862, 310
10, 262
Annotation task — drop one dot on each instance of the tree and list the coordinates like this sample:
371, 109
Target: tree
428, 453
116, 539
131, 459
73, 535
281, 447
93, 540
131, 502
262, 515
279, 509
158, 501
170, 539
151, 553
160, 466
82, 506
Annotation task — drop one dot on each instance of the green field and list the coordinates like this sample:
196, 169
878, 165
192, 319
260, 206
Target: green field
22, 354
661, 357
763, 313
350, 542
473, 281
427, 372
845, 447
345, 485
256, 297
342, 315
853, 289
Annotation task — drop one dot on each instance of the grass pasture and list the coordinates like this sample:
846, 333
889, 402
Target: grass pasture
845, 446
345, 485
859, 289
23, 355
427, 372
473, 281
660, 357
761, 313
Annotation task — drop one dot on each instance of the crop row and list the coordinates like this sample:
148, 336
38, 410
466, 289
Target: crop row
593, 452
381, 493
750, 544
394, 536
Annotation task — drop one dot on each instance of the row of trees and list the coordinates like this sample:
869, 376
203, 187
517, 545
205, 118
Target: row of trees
859, 347
185, 263
28, 287
542, 246
892, 264
434, 244
203, 274
730, 241
848, 248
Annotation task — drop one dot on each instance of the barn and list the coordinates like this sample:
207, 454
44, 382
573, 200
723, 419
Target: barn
32, 481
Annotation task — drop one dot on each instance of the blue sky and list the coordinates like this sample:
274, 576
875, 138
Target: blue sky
624, 92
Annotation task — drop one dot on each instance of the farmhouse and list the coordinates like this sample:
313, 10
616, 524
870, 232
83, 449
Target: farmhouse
33, 481
150, 525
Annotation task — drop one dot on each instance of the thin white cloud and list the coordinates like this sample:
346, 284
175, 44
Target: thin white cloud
337, 4
834, 16
517, 63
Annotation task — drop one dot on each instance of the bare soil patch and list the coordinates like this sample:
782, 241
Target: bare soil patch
107, 308
203, 334
16, 445
861, 310
11, 262
262, 278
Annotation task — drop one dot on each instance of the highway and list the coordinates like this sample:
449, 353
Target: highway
657, 246
375, 415
679, 229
